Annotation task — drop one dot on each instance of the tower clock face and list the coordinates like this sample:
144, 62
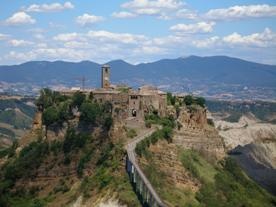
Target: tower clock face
106, 78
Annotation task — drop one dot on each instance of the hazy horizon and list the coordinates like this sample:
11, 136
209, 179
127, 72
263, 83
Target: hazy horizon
136, 30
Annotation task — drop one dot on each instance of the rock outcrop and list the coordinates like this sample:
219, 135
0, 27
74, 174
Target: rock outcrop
197, 134
253, 144
244, 132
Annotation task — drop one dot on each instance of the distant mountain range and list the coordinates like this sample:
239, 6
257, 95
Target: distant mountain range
220, 70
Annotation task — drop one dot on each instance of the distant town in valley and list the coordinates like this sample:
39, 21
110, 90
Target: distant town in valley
225, 79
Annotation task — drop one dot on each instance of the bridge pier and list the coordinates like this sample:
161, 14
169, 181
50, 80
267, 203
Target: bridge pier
140, 185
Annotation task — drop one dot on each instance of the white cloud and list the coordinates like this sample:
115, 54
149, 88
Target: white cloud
186, 14
163, 9
20, 56
20, 18
153, 4
206, 42
54, 7
150, 50
125, 38
67, 37
200, 27
19, 43
3, 36
123, 14
96, 36
87, 19
265, 39
239, 12
39, 36
133, 47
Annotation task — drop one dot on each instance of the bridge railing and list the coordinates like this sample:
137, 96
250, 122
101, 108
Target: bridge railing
142, 185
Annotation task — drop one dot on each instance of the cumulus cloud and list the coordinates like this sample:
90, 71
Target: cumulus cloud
123, 14
20, 56
163, 9
3, 36
20, 18
125, 38
54, 7
87, 19
200, 27
239, 12
208, 42
68, 37
19, 43
154, 4
186, 14
265, 39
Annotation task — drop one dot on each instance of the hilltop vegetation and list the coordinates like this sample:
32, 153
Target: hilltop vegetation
85, 162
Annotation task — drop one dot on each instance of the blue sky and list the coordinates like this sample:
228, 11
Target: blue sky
136, 30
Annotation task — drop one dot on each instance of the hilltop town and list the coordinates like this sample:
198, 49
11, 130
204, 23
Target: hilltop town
115, 145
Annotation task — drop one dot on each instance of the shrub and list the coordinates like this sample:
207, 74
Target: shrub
131, 133
108, 121
189, 100
89, 112
171, 99
148, 123
29, 159
73, 140
200, 101
77, 99
50, 116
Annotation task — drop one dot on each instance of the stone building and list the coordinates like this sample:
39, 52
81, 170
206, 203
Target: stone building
105, 76
127, 102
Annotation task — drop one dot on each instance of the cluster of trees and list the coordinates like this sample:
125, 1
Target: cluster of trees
188, 100
57, 109
154, 118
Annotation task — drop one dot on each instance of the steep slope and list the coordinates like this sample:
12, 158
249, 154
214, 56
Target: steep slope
253, 145
66, 159
190, 173
15, 119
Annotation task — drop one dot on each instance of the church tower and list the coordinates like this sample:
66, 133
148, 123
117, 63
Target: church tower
106, 76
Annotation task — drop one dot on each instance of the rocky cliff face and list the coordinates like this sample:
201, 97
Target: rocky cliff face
244, 132
197, 134
166, 158
253, 144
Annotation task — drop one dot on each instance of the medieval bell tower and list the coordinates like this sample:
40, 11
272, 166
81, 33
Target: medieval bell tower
105, 76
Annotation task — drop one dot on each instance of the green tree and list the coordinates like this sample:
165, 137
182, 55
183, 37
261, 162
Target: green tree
64, 111
78, 99
200, 101
188, 100
45, 99
89, 112
50, 116
108, 122
171, 99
